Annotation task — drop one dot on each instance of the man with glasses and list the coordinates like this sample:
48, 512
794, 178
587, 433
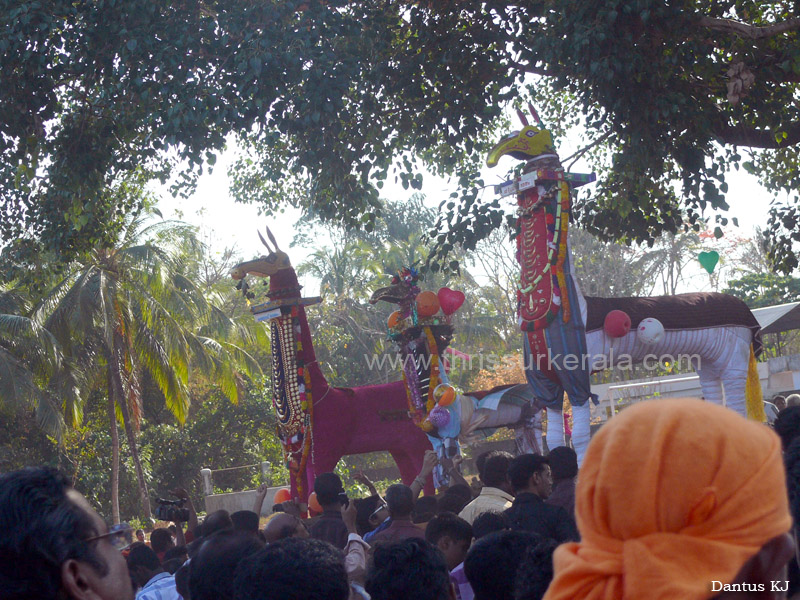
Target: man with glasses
53, 543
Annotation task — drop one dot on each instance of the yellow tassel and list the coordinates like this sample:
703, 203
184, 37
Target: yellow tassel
752, 391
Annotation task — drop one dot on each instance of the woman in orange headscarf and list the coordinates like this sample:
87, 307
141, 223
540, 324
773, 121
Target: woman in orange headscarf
674, 500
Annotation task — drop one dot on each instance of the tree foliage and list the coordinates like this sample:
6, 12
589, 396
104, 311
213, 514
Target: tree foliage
333, 97
765, 289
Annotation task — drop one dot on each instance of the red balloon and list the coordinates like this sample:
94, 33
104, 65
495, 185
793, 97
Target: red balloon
313, 503
617, 324
450, 300
282, 495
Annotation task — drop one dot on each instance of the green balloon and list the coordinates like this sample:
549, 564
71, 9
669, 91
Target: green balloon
709, 260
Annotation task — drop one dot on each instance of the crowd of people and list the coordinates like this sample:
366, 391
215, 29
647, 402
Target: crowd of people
675, 499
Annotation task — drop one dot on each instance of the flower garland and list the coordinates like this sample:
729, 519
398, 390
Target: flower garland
418, 408
555, 218
292, 394
433, 352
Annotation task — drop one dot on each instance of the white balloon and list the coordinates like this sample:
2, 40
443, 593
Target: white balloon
650, 331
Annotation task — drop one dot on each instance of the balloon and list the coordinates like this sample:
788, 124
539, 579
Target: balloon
439, 417
427, 304
444, 394
709, 260
650, 331
617, 324
313, 503
394, 320
450, 300
282, 495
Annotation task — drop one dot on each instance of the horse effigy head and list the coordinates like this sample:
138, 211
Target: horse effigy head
265, 266
531, 142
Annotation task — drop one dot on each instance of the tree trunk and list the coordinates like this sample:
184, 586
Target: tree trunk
144, 494
112, 423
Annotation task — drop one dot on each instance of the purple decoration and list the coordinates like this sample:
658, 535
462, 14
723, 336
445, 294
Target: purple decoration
439, 416
412, 378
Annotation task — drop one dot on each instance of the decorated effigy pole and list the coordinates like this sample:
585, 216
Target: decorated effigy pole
548, 299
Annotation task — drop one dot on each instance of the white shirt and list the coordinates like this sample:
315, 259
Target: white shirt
160, 587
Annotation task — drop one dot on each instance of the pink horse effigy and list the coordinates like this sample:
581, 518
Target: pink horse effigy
319, 424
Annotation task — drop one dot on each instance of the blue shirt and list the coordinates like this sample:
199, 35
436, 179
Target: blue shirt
368, 536
160, 587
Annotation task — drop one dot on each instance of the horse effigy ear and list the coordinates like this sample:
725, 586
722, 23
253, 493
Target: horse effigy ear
272, 239
263, 241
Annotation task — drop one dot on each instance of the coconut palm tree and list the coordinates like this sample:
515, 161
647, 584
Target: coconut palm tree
33, 373
128, 310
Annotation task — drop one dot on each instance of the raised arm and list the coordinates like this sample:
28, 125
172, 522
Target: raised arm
362, 478
261, 493
429, 461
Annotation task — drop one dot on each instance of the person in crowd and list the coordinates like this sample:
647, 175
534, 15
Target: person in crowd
791, 460
453, 503
411, 568
771, 411
54, 546
564, 466
452, 535
489, 522
245, 521
779, 402
283, 525
149, 575
792, 400
677, 499
496, 494
139, 536
535, 572
379, 521
492, 562
787, 425
532, 481
174, 558
160, 541
455, 498
183, 538
365, 507
400, 502
425, 509
219, 520
293, 569
329, 526
211, 570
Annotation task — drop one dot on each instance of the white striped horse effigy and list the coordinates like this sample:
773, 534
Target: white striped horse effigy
568, 336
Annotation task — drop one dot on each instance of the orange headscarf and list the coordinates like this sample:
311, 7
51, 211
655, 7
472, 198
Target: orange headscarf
672, 495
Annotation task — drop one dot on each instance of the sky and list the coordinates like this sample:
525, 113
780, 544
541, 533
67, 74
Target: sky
225, 223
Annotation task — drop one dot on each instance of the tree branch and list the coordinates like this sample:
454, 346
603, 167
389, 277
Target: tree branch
744, 30
756, 138
526, 68
585, 149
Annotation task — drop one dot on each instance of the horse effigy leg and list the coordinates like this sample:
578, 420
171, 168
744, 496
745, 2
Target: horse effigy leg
405, 464
710, 384
537, 429
581, 429
555, 428
734, 379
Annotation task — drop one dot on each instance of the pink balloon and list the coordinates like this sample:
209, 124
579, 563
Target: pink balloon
450, 300
617, 324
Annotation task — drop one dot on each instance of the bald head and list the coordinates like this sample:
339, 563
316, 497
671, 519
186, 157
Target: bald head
284, 525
